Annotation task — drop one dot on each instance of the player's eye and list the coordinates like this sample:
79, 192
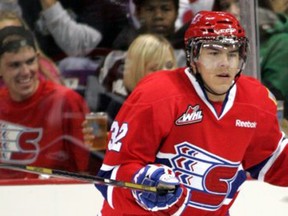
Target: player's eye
213, 53
234, 53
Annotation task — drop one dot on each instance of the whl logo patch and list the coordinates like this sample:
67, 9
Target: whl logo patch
191, 115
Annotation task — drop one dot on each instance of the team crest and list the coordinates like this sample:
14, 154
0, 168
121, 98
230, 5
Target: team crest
190, 116
19, 144
213, 181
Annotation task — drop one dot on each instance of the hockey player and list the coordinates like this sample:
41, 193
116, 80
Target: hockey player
200, 129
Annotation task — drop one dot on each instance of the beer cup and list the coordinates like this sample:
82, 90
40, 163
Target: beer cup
99, 122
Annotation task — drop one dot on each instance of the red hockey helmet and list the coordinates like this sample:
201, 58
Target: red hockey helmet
214, 26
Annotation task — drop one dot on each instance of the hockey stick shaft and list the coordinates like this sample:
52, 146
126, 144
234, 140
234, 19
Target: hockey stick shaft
79, 176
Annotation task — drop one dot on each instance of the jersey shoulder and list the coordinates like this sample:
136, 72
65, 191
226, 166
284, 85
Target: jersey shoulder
251, 90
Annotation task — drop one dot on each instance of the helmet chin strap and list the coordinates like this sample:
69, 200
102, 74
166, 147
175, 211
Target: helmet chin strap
206, 87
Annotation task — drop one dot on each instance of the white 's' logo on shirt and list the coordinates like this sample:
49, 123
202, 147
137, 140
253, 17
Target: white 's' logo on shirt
19, 144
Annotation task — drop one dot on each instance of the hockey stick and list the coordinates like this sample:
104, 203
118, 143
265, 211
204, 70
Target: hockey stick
83, 177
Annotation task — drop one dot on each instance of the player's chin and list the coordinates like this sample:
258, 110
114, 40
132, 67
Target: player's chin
222, 89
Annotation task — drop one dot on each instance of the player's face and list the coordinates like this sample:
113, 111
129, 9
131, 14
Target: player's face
19, 71
218, 66
158, 16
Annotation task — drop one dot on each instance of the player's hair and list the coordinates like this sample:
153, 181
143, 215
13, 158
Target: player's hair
147, 49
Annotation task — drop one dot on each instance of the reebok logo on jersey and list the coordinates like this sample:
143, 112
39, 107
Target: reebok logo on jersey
246, 124
191, 115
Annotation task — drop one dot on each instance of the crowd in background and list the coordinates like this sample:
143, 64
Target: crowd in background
85, 45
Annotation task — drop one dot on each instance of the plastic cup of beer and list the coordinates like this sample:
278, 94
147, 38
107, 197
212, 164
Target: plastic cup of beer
99, 122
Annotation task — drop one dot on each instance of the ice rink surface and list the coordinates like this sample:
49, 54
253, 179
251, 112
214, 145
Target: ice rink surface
261, 199
255, 199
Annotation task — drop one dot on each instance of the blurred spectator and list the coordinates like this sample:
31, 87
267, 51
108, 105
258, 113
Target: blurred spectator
40, 120
75, 39
75, 31
273, 28
90, 16
148, 53
154, 16
48, 69
185, 10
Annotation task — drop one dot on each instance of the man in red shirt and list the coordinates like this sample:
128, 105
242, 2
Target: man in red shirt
40, 121
197, 130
